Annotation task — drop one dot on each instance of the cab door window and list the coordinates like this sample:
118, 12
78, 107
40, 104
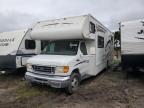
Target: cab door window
83, 48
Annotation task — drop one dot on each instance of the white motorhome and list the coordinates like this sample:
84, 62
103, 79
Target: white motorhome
77, 48
15, 48
132, 44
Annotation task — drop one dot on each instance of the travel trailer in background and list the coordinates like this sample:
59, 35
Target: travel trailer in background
15, 48
132, 44
77, 48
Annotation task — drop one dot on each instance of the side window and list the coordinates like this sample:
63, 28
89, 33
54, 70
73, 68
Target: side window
100, 42
83, 48
92, 27
30, 44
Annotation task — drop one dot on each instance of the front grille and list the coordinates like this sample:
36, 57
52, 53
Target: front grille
43, 69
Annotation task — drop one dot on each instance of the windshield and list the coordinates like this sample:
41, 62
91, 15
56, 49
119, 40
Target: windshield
61, 47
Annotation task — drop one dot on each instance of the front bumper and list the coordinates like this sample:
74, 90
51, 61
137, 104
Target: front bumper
53, 81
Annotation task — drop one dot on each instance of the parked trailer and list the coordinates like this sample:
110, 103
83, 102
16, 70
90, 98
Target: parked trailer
15, 48
77, 48
132, 43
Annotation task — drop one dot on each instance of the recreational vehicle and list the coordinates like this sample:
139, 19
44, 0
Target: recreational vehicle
15, 48
132, 44
78, 47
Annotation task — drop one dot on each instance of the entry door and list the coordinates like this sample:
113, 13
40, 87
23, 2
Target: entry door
100, 56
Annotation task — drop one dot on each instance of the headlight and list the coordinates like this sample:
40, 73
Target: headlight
62, 69
29, 67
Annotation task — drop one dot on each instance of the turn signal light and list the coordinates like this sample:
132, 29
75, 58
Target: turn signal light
66, 69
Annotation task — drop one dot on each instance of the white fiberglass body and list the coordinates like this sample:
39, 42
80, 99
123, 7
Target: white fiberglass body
132, 43
132, 37
76, 44
15, 48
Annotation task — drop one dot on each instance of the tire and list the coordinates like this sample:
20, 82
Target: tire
74, 83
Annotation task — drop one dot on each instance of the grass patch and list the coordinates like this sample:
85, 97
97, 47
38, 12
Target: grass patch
9, 80
25, 91
116, 62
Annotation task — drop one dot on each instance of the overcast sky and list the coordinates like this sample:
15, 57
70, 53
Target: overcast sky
19, 14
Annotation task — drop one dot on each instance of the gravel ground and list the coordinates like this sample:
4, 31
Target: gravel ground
106, 90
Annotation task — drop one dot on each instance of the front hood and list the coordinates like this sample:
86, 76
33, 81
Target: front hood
53, 60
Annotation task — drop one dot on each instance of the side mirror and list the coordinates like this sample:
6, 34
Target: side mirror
92, 51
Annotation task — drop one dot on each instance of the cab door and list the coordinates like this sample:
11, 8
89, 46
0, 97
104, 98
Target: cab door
84, 59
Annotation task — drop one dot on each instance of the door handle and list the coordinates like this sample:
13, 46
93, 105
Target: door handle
78, 60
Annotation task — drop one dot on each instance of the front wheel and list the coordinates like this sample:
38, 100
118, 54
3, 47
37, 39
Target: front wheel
74, 83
